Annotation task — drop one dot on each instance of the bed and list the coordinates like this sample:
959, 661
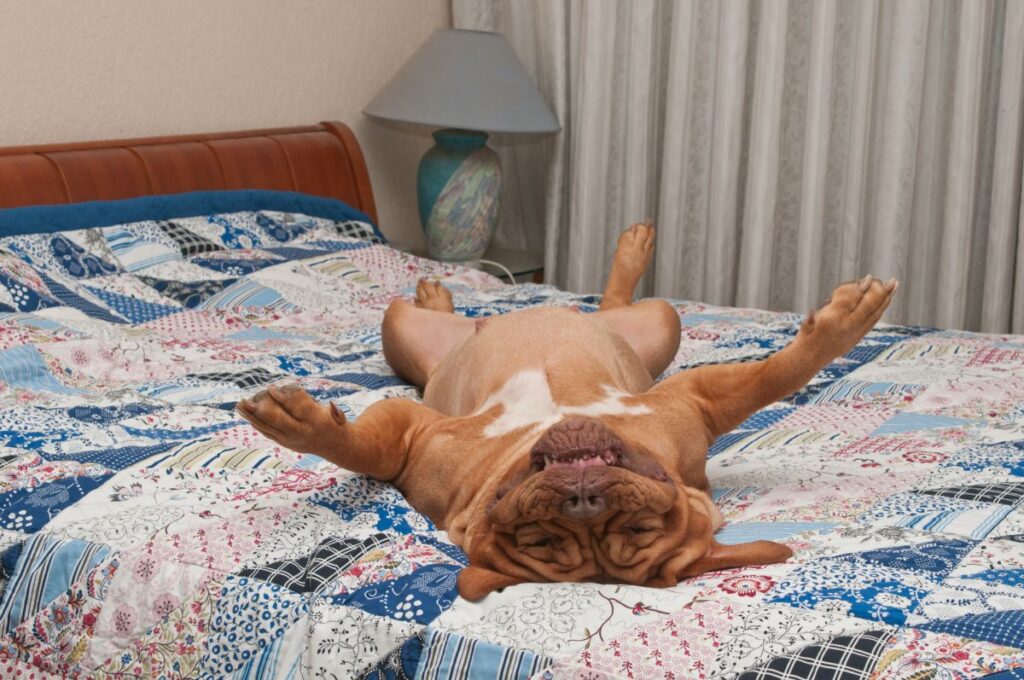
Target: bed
146, 531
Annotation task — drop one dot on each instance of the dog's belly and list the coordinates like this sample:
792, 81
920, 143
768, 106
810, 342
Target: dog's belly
539, 364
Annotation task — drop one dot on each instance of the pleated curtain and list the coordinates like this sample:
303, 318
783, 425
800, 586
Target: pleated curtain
781, 146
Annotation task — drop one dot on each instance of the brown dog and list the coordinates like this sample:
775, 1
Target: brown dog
543, 445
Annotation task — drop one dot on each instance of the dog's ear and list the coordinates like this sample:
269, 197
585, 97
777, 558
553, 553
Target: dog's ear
738, 555
475, 583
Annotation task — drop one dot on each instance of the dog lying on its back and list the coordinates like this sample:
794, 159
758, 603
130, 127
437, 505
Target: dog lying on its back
543, 446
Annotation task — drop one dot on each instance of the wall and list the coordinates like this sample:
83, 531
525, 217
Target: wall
72, 71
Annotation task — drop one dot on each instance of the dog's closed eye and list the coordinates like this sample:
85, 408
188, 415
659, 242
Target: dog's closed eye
533, 536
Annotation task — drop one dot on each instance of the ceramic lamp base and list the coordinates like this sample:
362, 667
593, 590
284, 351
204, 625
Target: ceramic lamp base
459, 195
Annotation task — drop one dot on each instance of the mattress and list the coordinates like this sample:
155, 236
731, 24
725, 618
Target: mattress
147, 531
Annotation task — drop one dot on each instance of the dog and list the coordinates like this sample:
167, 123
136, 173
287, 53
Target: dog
543, 445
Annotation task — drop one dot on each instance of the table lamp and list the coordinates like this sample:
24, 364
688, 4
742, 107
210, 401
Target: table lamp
468, 83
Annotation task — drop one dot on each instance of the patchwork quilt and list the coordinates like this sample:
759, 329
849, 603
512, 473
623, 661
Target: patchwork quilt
146, 531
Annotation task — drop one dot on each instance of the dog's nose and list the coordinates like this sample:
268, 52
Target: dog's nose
583, 505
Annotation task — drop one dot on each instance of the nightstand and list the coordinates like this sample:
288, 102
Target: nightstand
522, 264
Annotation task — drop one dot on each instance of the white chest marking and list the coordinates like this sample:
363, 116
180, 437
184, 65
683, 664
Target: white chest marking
526, 401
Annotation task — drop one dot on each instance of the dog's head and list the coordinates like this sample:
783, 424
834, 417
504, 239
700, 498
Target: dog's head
587, 505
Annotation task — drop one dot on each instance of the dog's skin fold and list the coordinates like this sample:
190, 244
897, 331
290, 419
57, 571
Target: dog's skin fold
543, 445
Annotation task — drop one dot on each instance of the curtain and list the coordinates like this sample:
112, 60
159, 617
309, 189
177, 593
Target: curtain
781, 147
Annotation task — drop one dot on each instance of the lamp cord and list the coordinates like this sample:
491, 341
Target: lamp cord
511, 276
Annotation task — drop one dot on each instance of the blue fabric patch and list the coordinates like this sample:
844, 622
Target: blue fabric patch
296, 252
390, 517
697, 318
363, 496
76, 262
727, 440
76, 301
115, 459
267, 664
1012, 674
29, 510
882, 585
235, 266
742, 532
912, 422
32, 439
936, 557
1002, 628
52, 218
135, 310
449, 549
865, 352
281, 231
24, 296
1009, 577
372, 381
23, 367
400, 664
187, 293
101, 415
180, 435
419, 597
257, 334
335, 246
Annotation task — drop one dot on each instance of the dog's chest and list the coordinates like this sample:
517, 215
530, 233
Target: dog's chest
526, 401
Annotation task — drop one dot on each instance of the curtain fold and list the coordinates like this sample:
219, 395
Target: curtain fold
781, 147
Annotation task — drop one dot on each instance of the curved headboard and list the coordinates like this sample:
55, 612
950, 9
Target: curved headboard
323, 160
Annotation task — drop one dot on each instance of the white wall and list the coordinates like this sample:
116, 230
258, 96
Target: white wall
73, 71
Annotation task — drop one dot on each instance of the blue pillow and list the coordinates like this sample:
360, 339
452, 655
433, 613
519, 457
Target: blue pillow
46, 219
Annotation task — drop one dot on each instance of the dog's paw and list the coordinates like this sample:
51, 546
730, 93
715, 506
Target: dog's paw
853, 310
292, 418
433, 295
634, 250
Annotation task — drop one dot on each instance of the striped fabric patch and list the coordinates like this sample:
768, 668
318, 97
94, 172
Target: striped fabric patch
248, 294
135, 252
215, 454
46, 568
770, 439
976, 523
850, 390
912, 351
454, 657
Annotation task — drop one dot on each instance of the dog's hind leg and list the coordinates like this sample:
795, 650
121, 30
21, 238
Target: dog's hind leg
417, 336
651, 327
632, 256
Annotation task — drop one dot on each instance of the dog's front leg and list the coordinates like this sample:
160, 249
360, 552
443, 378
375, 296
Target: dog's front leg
376, 444
727, 394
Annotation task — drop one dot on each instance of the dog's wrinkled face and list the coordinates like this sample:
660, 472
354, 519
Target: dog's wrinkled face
586, 506
589, 506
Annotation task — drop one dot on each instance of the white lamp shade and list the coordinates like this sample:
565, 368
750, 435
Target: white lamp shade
471, 80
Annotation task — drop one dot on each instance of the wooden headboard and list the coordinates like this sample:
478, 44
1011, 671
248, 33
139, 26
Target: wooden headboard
323, 160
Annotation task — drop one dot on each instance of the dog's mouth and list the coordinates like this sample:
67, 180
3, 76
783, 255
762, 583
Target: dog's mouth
580, 444
575, 458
